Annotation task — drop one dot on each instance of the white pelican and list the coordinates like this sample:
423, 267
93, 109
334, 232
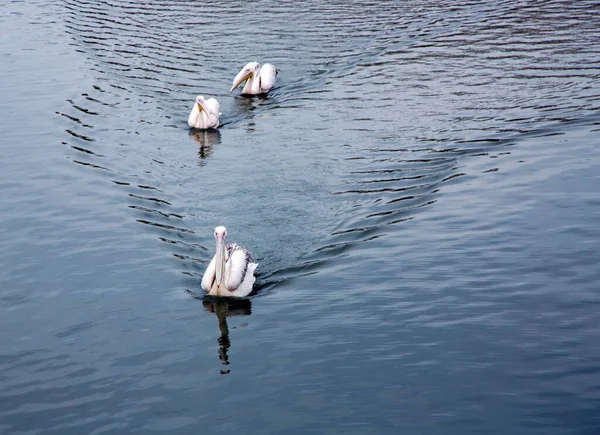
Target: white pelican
259, 79
231, 271
204, 114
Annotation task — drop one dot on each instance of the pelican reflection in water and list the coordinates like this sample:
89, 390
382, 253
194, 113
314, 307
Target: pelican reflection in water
206, 139
224, 308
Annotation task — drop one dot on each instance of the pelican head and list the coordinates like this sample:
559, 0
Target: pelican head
220, 232
201, 102
246, 73
220, 235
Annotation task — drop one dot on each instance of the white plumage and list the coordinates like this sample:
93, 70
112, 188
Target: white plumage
205, 113
231, 271
259, 79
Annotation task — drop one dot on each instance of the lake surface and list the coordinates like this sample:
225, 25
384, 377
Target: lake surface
421, 191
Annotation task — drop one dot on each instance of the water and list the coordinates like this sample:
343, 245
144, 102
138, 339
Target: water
421, 192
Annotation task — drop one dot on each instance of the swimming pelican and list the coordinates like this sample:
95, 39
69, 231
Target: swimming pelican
231, 271
204, 114
259, 79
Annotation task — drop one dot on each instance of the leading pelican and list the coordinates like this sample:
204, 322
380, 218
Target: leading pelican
259, 79
204, 114
231, 271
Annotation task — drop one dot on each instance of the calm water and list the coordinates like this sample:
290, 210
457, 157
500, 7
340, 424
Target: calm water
421, 190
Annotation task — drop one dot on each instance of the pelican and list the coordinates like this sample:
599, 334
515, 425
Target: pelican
259, 79
231, 271
204, 114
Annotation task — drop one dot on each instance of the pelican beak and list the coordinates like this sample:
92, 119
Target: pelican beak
220, 266
202, 106
242, 76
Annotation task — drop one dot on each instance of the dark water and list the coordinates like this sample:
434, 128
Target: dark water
421, 190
